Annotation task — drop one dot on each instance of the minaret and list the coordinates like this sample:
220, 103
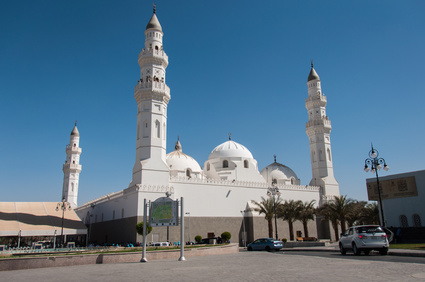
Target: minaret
152, 96
318, 129
72, 169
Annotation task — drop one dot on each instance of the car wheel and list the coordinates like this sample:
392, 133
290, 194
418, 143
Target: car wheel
267, 248
250, 248
383, 251
367, 252
356, 250
342, 250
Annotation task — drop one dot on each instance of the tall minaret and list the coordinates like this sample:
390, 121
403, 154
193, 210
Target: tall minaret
318, 129
72, 169
152, 96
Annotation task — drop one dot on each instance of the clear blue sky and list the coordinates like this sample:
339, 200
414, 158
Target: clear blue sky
235, 66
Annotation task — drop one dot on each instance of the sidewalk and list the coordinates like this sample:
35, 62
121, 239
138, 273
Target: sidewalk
334, 248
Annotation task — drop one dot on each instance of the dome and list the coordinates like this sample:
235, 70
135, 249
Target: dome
279, 172
154, 23
230, 149
313, 74
179, 161
75, 131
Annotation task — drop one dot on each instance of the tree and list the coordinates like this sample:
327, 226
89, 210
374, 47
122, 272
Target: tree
198, 239
306, 214
356, 211
139, 228
289, 211
328, 213
266, 207
342, 206
370, 214
225, 236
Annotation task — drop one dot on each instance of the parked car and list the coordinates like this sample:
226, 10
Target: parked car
364, 238
267, 244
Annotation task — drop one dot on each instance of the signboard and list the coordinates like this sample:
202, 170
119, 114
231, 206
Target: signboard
393, 188
163, 212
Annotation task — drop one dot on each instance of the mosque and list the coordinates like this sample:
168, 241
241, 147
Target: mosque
217, 197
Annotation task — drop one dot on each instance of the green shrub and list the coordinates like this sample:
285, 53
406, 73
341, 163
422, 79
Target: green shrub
225, 236
284, 240
198, 239
139, 228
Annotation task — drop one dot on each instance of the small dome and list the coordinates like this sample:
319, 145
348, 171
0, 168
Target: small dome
75, 131
179, 161
313, 74
154, 23
230, 149
279, 172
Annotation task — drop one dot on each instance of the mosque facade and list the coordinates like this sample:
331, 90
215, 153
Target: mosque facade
217, 197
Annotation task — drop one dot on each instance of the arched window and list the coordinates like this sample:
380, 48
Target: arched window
113, 214
274, 181
156, 48
417, 220
320, 155
292, 181
313, 156
164, 127
245, 164
88, 218
403, 221
188, 173
158, 129
208, 166
145, 129
225, 163
72, 186
329, 155
102, 217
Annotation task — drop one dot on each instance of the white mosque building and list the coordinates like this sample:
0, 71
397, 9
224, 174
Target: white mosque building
217, 197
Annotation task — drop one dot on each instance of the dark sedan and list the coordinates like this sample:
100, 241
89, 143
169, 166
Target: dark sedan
265, 244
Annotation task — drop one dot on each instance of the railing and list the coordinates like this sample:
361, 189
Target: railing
247, 184
324, 121
156, 85
154, 53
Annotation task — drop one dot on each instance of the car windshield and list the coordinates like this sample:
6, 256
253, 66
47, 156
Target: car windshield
369, 229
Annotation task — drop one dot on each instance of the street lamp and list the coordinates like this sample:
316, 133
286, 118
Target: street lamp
189, 227
375, 164
64, 205
243, 224
274, 191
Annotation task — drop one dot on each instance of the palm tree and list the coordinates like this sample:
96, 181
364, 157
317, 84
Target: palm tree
356, 211
289, 211
306, 214
370, 214
342, 206
327, 212
266, 207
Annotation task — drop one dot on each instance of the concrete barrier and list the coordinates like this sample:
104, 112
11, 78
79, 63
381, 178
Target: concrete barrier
82, 259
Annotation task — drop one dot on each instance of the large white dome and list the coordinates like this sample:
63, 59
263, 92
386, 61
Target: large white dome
179, 161
230, 149
280, 173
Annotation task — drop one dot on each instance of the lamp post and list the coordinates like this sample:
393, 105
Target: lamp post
243, 225
273, 192
189, 227
64, 205
375, 164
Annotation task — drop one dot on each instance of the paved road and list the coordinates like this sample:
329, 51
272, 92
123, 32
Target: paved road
374, 256
243, 266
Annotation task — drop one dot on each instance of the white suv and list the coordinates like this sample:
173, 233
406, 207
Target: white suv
364, 238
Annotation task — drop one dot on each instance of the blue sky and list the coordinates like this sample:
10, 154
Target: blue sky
234, 66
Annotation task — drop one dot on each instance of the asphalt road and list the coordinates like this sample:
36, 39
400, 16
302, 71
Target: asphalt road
243, 266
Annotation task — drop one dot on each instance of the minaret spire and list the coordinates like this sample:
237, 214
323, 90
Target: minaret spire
72, 168
318, 129
152, 96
